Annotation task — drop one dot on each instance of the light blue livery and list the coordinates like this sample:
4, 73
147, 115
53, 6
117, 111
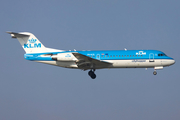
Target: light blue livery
91, 60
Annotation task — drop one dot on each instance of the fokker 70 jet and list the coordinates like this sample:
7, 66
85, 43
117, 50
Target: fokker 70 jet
91, 60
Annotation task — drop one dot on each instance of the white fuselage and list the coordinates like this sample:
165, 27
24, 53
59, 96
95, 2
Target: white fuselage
118, 63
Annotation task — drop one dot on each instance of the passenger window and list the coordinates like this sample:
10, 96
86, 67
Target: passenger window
127, 55
119, 55
116, 55
101, 55
113, 55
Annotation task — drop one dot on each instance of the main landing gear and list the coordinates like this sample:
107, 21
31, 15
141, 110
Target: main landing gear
92, 74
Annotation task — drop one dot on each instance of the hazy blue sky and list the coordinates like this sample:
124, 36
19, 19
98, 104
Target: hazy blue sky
35, 91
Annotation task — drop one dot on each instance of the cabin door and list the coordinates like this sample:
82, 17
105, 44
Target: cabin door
151, 57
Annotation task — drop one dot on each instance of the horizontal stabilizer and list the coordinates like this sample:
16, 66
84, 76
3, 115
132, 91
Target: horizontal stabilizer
15, 35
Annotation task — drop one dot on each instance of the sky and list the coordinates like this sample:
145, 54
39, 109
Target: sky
36, 91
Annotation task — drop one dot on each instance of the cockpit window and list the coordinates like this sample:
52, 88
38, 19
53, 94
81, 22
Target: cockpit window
162, 54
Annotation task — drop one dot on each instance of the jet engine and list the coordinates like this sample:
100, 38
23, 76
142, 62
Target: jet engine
64, 57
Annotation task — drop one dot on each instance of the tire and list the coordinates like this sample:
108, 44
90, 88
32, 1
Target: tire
90, 73
93, 76
155, 73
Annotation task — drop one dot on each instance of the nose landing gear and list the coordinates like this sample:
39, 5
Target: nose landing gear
155, 73
92, 74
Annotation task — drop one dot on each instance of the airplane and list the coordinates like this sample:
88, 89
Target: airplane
91, 60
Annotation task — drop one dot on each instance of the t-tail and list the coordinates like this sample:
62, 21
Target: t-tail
30, 43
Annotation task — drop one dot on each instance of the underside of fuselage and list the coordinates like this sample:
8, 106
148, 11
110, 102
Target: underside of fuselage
115, 64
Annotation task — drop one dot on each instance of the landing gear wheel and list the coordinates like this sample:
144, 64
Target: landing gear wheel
155, 73
92, 74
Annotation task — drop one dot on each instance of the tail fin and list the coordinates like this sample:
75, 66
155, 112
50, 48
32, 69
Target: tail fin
29, 42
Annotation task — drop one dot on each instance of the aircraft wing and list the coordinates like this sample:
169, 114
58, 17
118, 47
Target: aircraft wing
85, 62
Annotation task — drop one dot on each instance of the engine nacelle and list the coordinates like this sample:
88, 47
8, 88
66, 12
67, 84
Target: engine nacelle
64, 57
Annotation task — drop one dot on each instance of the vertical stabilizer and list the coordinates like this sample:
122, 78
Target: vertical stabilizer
29, 42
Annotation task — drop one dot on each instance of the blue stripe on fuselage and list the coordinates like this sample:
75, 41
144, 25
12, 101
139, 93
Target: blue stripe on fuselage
105, 55
124, 55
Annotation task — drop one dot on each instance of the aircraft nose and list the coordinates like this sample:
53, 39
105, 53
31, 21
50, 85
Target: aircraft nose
172, 61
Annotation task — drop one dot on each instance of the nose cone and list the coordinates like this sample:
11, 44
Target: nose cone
172, 62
